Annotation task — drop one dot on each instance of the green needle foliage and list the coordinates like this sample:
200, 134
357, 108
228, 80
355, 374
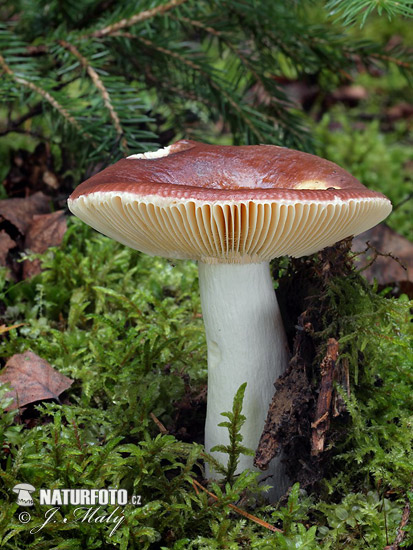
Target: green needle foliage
354, 11
99, 79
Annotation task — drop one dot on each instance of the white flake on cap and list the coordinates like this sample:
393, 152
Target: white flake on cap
149, 155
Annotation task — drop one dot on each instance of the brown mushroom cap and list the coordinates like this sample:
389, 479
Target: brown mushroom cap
227, 204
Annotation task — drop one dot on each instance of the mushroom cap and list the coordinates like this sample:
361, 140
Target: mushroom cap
226, 203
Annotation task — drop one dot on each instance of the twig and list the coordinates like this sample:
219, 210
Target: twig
377, 253
100, 86
161, 427
248, 64
401, 533
41, 49
392, 60
4, 328
261, 522
279, 104
50, 99
31, 133
137, 18
13, 125
403, 201
164, 83
34, 111
212, 82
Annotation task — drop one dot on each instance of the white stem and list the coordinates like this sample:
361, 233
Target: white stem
246, 343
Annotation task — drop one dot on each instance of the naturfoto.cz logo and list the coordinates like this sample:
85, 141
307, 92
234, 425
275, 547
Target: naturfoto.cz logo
88, 502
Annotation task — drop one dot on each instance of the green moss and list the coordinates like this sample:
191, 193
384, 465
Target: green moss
378, 160
127, 329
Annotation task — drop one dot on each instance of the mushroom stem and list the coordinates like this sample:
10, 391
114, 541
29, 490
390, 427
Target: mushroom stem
246, 343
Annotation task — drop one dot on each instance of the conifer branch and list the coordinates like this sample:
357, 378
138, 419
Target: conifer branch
43, 93
180, 92
198, 24
100, 86
279, 104
14, 125
245, 46
392, 59
211, 81
137, 18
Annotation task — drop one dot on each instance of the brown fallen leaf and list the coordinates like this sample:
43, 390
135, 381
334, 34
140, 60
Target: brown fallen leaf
6, 244
386, 245
45, 231
32, 379
20, 212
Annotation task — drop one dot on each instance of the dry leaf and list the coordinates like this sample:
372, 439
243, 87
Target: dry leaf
45, 231
20, 212
6, 244
32, 379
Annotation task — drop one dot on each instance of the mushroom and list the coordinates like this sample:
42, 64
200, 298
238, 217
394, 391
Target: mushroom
232, 209
23, 491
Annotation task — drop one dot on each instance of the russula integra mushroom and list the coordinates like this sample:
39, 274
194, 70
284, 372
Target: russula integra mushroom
233, 209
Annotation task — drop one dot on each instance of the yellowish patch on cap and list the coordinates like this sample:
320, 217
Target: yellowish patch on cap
314, 184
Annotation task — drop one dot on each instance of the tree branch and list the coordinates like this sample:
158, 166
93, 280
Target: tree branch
198, 68
50, 99
137, 18
100, 86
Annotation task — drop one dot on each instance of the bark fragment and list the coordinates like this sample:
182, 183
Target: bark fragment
321, 423
306, 416
292, 398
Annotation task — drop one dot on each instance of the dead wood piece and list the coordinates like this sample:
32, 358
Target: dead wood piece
321, 423
290, 402
292, 395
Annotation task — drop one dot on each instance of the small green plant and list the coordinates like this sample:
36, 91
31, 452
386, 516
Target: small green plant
360, 520
235, 448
